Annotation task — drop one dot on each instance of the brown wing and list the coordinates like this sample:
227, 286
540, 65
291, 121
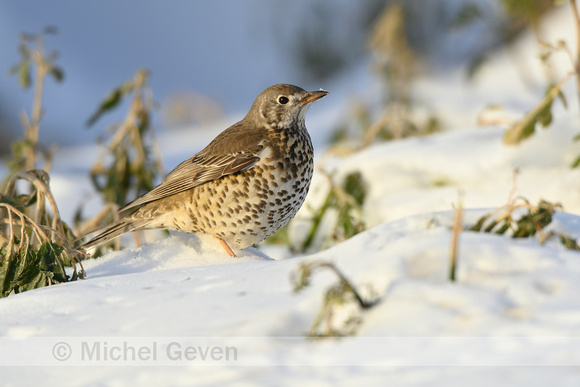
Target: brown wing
232, 151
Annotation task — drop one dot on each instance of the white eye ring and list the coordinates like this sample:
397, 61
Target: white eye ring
283, 100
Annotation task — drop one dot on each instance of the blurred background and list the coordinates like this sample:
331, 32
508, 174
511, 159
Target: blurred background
211, 58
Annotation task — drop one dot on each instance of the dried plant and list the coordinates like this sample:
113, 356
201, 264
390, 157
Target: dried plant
35, 244
394, 58
337, 297
347, 201
542, 112
396, 66
32, 70
533, 221
455, 232
131, 161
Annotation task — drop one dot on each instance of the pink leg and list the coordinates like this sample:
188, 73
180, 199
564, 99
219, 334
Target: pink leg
226, 247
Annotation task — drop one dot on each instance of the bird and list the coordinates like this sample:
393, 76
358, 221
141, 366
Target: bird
247, 183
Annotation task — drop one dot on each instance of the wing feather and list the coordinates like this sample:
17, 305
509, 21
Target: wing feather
191, 174
240, 152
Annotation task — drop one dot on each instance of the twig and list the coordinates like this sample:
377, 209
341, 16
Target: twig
44, 193
514, 185
457, 228
347, 284
577, 64
514, 134
92, 225
24, 221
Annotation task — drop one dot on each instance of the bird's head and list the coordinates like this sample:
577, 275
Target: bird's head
283, 105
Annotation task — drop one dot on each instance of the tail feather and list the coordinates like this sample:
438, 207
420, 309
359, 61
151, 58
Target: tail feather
115, 230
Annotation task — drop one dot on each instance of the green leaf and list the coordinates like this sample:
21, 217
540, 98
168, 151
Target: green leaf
355, 186
28, 269
468, 14
109, 103
28, 274
569, 242
7, 272
545, 116
30, 278
57, 73
563, 99
24, 75
22, 69
503, 228
544, 57
50, 262
50, 30
542, 114
491, 226
14, 69
533, 221
480, 222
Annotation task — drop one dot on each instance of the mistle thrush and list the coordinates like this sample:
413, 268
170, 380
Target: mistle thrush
245, 185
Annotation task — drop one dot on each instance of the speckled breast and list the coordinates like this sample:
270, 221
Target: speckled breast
246, 207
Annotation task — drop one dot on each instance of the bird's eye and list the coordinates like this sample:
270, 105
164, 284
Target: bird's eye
283, 100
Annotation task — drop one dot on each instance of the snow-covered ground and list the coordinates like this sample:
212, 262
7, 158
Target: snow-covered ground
181, 312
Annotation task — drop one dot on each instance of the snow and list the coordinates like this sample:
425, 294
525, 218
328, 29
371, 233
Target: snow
514, 302
510, 318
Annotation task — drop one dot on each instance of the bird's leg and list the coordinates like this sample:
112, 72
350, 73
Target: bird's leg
226, 247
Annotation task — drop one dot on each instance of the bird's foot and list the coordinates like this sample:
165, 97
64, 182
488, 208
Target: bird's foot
226, 247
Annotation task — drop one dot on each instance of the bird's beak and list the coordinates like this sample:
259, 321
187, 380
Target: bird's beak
313, 96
